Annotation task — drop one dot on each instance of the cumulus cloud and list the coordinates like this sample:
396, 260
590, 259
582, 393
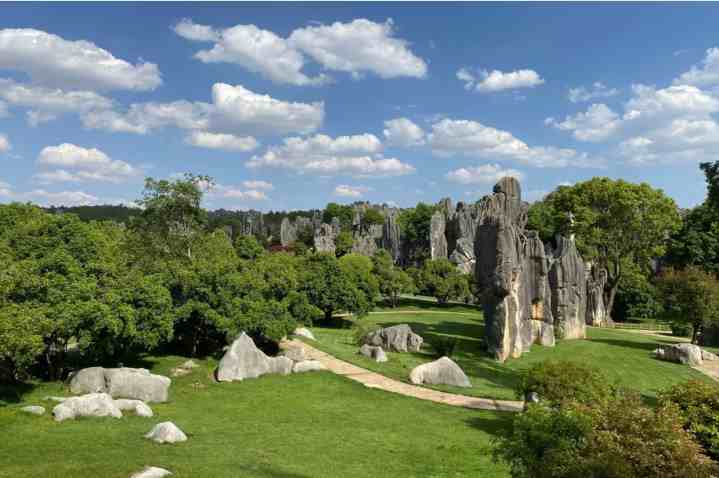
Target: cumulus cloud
258, 184
344, 190
70, 163
596, 124
471, 138
357, 155
496, 80
4, 144
225, 142
355, 47
597, 90
706, 75
50, 60
59, 198
403, 132
483, 174
235, 193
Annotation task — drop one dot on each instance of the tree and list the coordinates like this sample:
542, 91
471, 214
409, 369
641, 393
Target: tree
393, 281
360, 270
21, 339
690, 296
248, 247
328, 287
343, 243
441, 279
697, 241
345, 214
615, 222
372, 217
415, 226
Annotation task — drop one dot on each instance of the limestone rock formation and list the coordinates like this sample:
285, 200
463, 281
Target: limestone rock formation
437, 238
166, 432
89, 405
324, 239
443, 371
140, 408
463, 255
296, 354
304, 332
152, 472
391, 235
568, 281
687, 354
597, 314
244, 360
374, 352
398, 338
308, 366
33, 410
137, 383
366, 239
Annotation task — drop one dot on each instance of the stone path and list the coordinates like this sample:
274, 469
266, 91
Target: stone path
375, 380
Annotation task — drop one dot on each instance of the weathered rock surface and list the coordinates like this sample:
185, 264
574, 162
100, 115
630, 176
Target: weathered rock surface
708, 356
374, 352
244, 360
184, 368
90, 405
137, 383
304, 332
152, 472
324, 239
687, 354
33, 410
437, 238
296, 354
308, 366
398, 338
166, 432
140, 408
463, 255
392, 235
567, 278
597, 314
440, 372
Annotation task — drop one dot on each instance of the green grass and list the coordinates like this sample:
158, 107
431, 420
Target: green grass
625, 357
306, 425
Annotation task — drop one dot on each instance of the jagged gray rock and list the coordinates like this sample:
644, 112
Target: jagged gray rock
90, 405
137, 383
152, 472
443, 371
392, 235
296, 354
33, 410
374, 352
166, 432
687, 354
308, 366
597, 314
244, 360
398, 338
324, 239
304, 332
437, 238
366, 239
463, 255
140, 408
567, 278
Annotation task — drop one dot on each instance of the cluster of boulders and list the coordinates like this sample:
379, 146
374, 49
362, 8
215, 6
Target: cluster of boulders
687, 354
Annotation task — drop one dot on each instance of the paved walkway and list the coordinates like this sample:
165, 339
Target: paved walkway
375, 380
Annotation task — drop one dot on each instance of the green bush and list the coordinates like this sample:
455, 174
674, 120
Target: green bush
681, 329
444, 346
698, 404
558, 381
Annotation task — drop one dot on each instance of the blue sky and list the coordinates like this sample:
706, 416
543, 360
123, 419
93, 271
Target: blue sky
291, 106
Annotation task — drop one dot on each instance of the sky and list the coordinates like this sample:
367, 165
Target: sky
292, 106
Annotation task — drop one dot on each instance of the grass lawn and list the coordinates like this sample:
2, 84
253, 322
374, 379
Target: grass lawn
301, 426
624, 356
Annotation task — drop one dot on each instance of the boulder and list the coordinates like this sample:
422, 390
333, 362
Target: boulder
440, 372
140, 408
33, 410
304, 332
137, 383
708, 356
308, 366
296, 354
90, 405
373, 352
184, 368
152, 472
244, 360
166, 432
687, 354
398, 338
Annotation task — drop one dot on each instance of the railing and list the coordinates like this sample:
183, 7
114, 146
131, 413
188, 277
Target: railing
648, 325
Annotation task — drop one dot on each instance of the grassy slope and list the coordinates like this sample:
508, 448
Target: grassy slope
306, 425
624, 356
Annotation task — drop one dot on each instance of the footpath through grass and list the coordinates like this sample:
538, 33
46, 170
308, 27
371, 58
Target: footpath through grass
624, 356
300, 426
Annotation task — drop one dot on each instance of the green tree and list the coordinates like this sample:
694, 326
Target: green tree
690, 296
345, 214
442, 280
393, 281
248, 247
372, 217
360, 270
21, 339
343, 243
415, 226
328, 287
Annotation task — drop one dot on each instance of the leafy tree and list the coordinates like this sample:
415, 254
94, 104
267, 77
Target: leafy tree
345, 214
442, 280
372, 217
306, 236
343, 243
690, 296
415, 226
697, 242
615, 222
393, 281
21, 339
328, 287
248, 247
360, 270
637, 296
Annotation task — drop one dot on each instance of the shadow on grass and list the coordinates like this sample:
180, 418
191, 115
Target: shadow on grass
496, 425
13, 393
649, 346
429, 304
267, 472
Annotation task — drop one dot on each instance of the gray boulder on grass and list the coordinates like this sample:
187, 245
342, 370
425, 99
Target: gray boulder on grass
140, 408
90, 405
687, 354
296, 354
152, 472
308, 366
399, 338
373, 352
166, 432
304, 332
136, 383
33, 409
440, 372
244, 360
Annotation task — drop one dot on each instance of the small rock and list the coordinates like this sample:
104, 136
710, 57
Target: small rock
152, 472
189, 364
137, 383
373, 352
244, 360
440, 372
304, 332
308, 366
687, 354
184, 369
399, 338
33, 409
166, 432
90, 405
140, 408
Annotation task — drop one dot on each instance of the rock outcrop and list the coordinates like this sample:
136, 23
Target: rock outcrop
398, 338
463, 255
440, 372
137, 383
166, 432
324, 238
374, 352
687, 354
244, 360
437, 237
568, 281
597, 314
89, 405
391, 235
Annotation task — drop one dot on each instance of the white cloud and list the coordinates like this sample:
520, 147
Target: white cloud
489, 82
233, 192
189, 30
257, 184
4, 144
483, 174
53, 61
78, 164
597, 124
61, 198
403, 132
344, 190
357, 155
225, 142
5, 189
597, 90
470, 138
706, 75
359, 46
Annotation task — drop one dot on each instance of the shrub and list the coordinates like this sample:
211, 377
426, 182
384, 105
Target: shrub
698, 404
444, 346
681, 329
558, 381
